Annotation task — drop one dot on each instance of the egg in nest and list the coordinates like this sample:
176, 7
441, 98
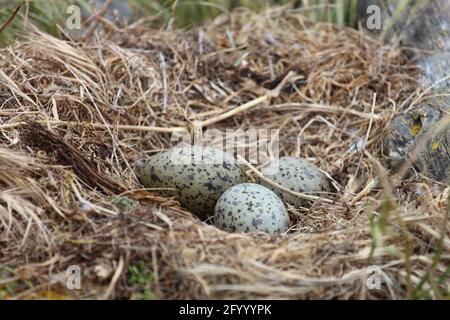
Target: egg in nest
250, 207
198, 175
298, 175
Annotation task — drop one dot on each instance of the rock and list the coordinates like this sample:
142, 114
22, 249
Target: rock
117, 8
424, 25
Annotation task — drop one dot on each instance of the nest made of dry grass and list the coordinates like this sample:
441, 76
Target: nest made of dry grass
76, 115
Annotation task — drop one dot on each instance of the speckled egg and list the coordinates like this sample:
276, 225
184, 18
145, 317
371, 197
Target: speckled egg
297, 175
250, 207
198, 174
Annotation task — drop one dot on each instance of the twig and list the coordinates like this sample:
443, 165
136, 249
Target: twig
115, 278
253, 103
162, 60
235, 111
11, 18
96, 126
326, 109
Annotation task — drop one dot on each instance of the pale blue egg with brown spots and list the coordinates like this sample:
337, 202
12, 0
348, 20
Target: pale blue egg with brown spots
250, 207
198, 176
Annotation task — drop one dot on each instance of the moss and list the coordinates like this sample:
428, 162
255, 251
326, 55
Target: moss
415, 129
124, 203
141, 278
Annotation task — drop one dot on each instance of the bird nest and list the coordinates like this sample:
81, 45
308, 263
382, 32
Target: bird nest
76, 115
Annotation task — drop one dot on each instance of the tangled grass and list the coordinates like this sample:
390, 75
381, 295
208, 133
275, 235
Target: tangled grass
75, 116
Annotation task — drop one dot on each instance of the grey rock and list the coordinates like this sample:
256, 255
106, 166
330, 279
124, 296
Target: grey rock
424, 25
